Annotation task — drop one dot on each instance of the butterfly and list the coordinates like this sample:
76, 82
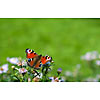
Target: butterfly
35, 60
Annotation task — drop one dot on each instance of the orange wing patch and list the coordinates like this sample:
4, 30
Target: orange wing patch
45, 59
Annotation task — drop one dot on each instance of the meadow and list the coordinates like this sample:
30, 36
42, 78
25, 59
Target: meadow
66, 40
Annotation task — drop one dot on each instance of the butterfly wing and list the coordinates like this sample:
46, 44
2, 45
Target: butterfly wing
30, 53
46, 59
38, 65
30, 62
31, 57
35, 62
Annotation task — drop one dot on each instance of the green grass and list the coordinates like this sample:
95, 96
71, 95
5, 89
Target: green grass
63, 39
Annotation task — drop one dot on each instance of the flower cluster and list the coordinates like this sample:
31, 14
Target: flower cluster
89, 56
73, 76
92, 59
18, 70
90, 63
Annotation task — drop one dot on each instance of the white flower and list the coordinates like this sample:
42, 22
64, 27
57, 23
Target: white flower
92, 80
87, 56
16, 68
22, 63
22, 70
98, 62
29, 79
51, 78
68, 73
13, 67
90, 56
17, 61
78, 66
55, 79
99, 56
98, 76
13, 60
62, 80
41, 75
4, 68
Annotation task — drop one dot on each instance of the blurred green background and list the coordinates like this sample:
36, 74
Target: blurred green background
63, 39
